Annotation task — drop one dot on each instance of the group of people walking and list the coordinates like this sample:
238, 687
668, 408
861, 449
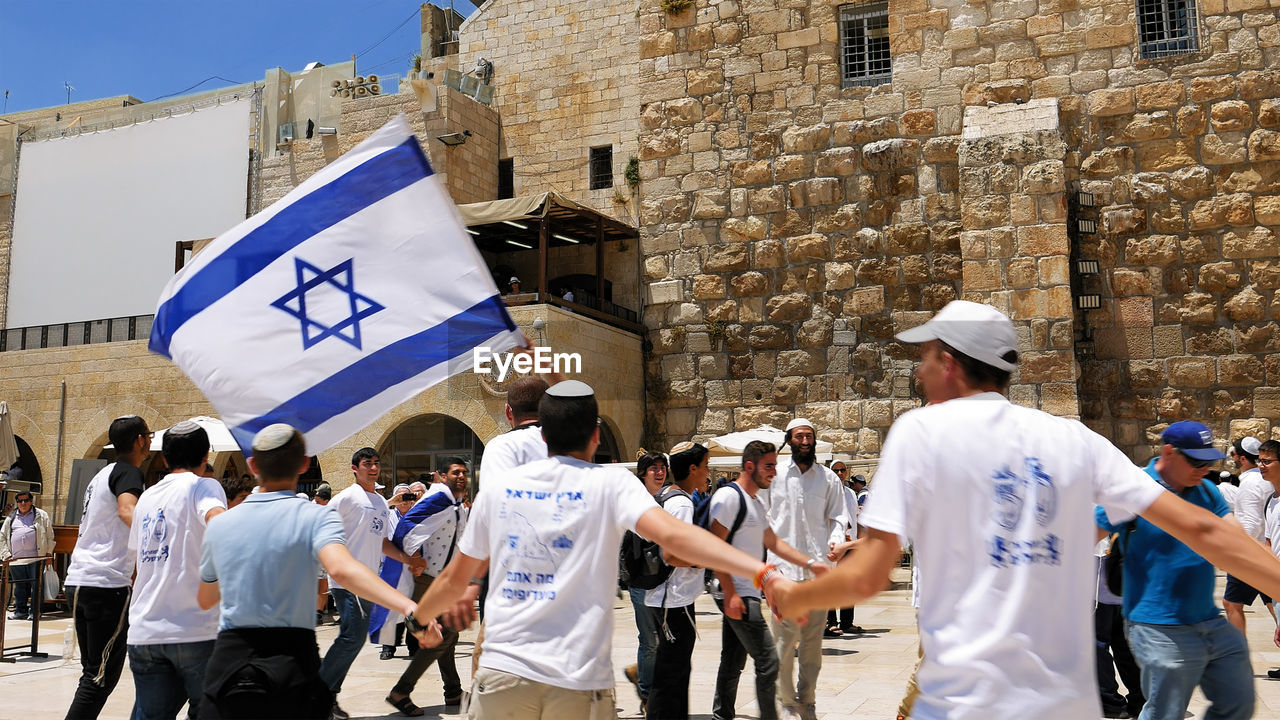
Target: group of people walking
994, 498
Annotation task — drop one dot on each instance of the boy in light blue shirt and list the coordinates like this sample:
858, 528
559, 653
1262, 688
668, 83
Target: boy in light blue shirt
259, 563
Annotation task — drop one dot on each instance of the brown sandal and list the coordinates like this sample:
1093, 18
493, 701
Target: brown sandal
406, 706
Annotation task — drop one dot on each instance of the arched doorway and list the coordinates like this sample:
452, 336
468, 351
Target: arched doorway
420, 445
29, 467
608, 451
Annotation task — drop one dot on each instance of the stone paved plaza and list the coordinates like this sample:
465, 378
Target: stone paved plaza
862, 677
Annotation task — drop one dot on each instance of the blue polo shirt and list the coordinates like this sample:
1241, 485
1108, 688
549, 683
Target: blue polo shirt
1166, 582
263, 555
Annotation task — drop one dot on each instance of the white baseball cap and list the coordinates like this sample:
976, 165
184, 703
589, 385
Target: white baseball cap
977, 330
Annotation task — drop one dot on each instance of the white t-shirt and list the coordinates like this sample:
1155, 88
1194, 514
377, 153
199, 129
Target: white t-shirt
1273, 524
998, 500
750, 536
551, 531
366, 522
1251, 502
1229, 493
102, 558
684, 585
512, 449
851, 510
168, 537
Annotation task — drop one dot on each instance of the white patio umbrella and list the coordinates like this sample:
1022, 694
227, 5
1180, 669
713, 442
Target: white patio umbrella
8, 447
733, 443
220, 439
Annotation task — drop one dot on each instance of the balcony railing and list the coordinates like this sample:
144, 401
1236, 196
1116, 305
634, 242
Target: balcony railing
90, 332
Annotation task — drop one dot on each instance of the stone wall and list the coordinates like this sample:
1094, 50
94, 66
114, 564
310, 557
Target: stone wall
789, 227
469, 171
565, 80
761, 174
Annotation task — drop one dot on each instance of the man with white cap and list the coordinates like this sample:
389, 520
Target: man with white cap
806, 510
367, 526
551, 529
170, 636
1251, 511
997, 499
259, 563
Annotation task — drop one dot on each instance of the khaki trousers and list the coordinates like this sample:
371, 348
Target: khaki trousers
497, 695
788, 634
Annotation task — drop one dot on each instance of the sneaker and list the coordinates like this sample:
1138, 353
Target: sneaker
1274, 674
337, 713
19, 616
387, 653
319, 617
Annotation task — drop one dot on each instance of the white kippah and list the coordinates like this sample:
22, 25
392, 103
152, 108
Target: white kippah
1250, 445
184, 427
272, 437
798, 422
570, 388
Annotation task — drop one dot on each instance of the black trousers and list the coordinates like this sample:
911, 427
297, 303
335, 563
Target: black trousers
669, 690
102, 624
265, 673
424, 657
846, 618
1108, 628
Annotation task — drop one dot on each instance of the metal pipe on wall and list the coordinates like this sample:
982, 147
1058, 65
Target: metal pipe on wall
57, 467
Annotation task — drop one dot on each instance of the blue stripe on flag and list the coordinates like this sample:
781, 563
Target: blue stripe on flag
369, 183
383, 369
424, 509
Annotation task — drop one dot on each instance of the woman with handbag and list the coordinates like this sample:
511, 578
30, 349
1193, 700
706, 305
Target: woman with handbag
26, 533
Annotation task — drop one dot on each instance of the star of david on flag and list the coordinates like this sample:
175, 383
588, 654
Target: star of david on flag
315, 312
294, 302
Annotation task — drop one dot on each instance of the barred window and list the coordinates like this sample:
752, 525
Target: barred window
864, 44
601, 167
1166, 27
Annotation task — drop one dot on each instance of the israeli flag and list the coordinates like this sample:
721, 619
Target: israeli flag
352, 294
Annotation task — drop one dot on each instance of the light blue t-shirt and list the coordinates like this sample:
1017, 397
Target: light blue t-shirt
263, 555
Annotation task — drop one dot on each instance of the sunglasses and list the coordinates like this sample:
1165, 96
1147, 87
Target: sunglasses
1194, 462
22, 500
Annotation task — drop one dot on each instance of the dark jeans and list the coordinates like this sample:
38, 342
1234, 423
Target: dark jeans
102, 624
168, 676
738, 639
647, 642
669, 693
1108, 630
265, 673
24, 579
353, 633
442, 654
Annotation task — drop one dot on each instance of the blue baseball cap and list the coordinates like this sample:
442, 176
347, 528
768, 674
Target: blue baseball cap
1192, 438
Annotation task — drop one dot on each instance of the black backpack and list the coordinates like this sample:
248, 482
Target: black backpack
640, 563
1113, 563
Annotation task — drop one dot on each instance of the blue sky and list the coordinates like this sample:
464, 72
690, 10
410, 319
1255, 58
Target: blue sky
150, 49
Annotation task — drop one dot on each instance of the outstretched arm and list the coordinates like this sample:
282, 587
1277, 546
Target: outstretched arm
446, 590
695, 545
861, 575
354, 576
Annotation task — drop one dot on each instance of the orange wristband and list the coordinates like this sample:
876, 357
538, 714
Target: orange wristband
758, 581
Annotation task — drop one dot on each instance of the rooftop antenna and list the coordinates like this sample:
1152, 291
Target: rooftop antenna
6, 103
69, 89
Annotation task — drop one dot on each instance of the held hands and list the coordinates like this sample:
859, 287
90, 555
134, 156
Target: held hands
777, 591
428, 634
417, 565
461, 615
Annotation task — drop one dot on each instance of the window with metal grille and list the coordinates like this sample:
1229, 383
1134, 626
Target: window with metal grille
864, 44
601, 167
506, 179
1167, 27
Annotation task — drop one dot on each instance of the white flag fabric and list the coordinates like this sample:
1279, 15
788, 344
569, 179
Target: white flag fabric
352, 294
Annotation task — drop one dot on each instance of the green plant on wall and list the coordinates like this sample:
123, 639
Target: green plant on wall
416, 64
675, 7
632, 173
716, 330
